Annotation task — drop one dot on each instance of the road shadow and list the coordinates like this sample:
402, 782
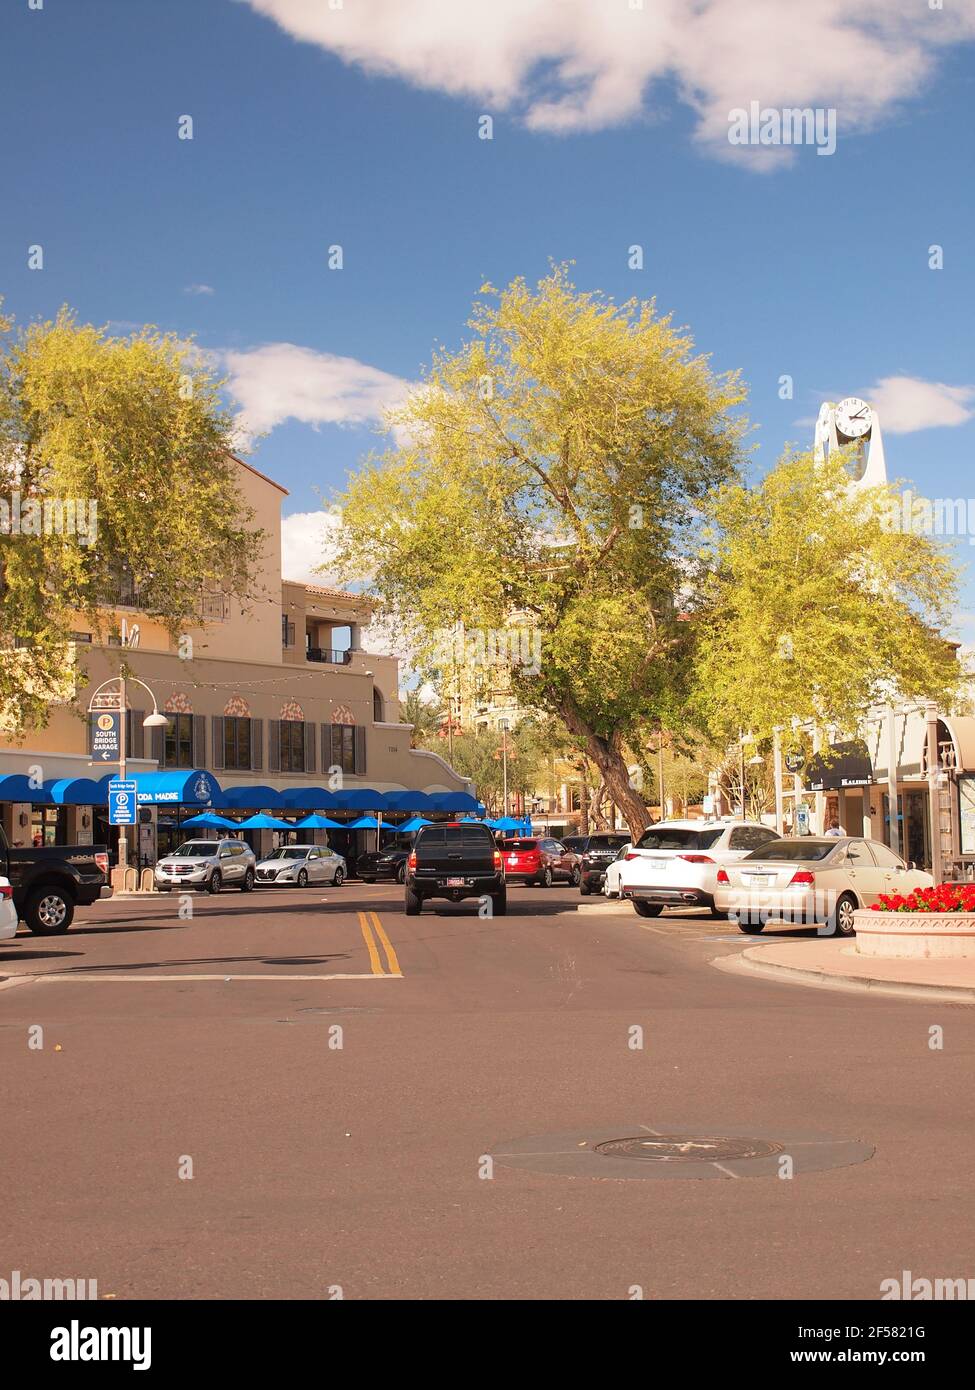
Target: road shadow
116, 966
35, 955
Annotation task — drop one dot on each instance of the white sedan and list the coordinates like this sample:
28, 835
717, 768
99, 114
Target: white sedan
675, 863
8, 913
810, 880
611, 882
301, 865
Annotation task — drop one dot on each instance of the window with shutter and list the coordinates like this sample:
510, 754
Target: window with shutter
216, 741
158, 742
309, 747
274, 745
138, 733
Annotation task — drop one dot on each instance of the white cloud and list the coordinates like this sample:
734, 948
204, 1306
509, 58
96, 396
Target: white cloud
199, 289
307, 541
588, 64
905, 404
281, 381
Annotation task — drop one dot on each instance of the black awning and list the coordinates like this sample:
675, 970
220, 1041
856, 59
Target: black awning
845, 765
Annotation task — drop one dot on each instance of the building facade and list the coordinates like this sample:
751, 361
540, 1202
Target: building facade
273, 692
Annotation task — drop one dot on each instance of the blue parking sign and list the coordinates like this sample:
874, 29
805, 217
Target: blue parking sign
121, 802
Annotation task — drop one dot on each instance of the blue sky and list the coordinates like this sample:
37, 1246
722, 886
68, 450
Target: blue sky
604, 136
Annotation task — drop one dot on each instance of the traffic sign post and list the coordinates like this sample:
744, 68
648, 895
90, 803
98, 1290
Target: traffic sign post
122, 801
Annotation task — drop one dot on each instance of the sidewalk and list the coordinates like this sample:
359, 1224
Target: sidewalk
831, 964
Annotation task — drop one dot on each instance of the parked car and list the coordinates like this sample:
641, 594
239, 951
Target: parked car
675, 863
385, 863
209, 864
301, 865
538, 860
49, 882
8, 913
596, 852
810, 880
611, 878
455, 861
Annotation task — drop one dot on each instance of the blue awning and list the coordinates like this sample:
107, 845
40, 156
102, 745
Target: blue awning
16, 787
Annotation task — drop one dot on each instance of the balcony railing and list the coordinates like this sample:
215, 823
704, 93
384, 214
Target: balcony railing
329, 656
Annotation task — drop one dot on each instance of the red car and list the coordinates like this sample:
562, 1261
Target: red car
537, 860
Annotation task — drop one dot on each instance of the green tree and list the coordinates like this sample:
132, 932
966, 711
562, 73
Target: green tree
426, 716
814, 606
550, 481
133, 430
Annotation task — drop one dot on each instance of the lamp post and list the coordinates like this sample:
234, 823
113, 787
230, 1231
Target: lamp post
503, 726
155, 720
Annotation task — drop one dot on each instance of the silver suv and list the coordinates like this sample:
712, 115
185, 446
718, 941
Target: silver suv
209, 864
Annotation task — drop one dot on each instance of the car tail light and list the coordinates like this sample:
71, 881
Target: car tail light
802, 876
628, 857
411, 862
722, 876
102, 861
6, 891
497, 859
696, 858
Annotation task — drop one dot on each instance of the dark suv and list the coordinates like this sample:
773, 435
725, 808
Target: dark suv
598, 851
455, 862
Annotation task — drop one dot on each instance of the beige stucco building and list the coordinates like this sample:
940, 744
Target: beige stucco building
273, 691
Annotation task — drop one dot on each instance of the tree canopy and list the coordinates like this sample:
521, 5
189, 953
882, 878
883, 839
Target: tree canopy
115, 474
550, 478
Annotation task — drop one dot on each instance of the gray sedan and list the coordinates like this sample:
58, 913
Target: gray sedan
807, 880
301, 865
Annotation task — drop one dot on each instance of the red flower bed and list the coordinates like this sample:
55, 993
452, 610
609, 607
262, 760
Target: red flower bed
947, 897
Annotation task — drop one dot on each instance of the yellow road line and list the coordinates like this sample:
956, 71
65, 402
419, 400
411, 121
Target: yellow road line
391, 958
367, 937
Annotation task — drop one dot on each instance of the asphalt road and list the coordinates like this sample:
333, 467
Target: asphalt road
371, 1166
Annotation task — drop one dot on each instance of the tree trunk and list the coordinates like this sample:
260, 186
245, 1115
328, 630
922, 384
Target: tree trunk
612, 766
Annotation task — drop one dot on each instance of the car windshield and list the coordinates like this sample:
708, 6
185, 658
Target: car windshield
609, 841
298, 852
196, 849
662, 837
793, 851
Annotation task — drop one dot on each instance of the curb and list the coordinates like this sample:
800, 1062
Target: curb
744, 963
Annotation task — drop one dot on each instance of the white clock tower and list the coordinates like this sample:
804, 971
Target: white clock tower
852, 422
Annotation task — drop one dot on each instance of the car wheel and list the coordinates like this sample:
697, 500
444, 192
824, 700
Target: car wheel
248, 884
339, 878
647, 909
576, 877
499, 904
414, 903
48, 912
215, 882
751, 928
584, 888
547, 879
840, 920
718, 911
302, 878
401, 874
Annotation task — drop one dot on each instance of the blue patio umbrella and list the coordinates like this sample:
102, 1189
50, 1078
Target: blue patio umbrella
363, 823
318, 823
410, 825
507, 823
212, 821
262, 822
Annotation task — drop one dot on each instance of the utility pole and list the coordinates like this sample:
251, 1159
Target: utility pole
123, 839
504, 759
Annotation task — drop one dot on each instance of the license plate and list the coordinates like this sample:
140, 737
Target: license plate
455, 883
758, 879
658, 863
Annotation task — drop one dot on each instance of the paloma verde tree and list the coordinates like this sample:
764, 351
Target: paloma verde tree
114, 470
552, 475
814, 604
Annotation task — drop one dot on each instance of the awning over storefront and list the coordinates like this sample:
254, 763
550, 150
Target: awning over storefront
198, 788
845, 765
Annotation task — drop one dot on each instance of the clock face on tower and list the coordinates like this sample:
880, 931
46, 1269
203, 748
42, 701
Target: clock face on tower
854, 418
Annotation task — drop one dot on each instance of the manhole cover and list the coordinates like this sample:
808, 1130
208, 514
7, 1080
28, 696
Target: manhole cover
658, 1150
677, 1148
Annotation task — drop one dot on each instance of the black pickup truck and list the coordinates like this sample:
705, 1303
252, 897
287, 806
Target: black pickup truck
48, 883
455, 861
